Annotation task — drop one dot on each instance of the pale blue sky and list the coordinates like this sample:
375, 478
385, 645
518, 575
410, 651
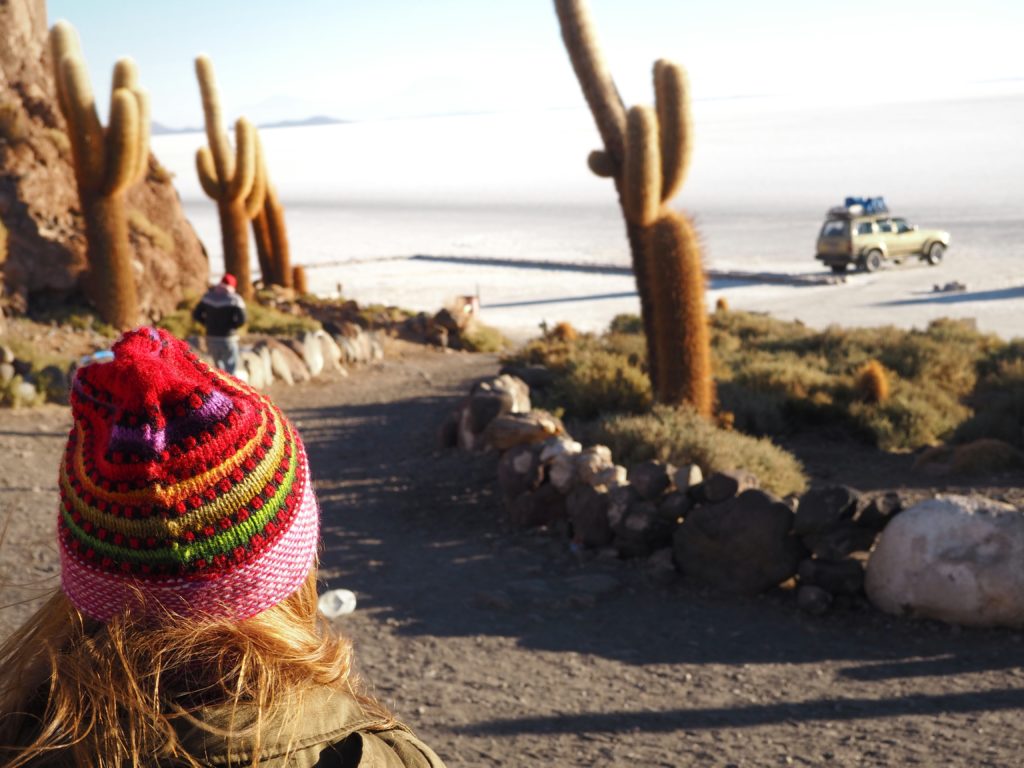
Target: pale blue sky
371, 59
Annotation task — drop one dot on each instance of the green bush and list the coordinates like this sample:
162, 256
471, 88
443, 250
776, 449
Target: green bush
681, 436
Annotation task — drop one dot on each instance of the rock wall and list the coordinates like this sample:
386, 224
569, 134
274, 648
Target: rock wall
44, 258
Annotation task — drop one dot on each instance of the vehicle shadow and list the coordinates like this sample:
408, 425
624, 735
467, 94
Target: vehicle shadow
961, 297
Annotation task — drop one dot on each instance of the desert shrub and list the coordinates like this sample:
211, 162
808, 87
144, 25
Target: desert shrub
626, 324
478, 337
721, 304
563, 331
998, 404
680, 435
983, 455
597, 382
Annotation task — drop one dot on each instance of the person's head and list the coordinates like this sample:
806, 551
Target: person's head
188, 533
229, 281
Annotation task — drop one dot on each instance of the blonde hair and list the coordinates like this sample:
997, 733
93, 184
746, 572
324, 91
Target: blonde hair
108, 695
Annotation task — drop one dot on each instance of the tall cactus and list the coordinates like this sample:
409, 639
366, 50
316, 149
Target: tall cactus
106, 162
647, 152
270, 234
230, 180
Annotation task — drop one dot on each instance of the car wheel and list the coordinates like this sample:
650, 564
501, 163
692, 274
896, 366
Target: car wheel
872, 261
935, 254
838, 269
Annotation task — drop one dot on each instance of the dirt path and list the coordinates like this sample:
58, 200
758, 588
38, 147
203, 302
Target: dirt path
503, 648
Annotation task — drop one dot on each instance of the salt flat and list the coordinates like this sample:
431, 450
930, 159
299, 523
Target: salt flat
364, 197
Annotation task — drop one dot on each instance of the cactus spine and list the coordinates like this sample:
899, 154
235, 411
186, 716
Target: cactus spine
229, 179
647, 152
106, 162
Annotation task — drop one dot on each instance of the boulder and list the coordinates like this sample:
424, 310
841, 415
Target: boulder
543, 506
620, 499
674, 506
285, 362
521, 429
879, 511
642, 530
519, 470
610, 477
814, 600
587, 509
687, 476
562, 472
720, 486
952, 558
839, 577
651, 479
742, 545
496, 397
253, 365
559, 446
332, 353
312, 353
593, 460
821, 509
39, 206
840, 541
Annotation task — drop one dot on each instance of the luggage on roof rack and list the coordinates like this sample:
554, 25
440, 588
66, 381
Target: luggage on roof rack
869, 205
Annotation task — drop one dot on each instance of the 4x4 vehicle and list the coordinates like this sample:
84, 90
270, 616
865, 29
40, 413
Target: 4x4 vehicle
853, 235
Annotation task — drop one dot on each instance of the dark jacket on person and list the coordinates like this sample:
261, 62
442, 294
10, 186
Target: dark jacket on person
221, 311
331, 730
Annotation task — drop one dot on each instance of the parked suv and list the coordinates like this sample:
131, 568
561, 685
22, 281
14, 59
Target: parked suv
850, 235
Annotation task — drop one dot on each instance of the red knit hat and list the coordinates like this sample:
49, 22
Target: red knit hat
182, 489
229, 279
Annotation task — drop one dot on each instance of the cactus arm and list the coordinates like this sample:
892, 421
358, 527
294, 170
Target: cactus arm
676, 125
63, 42
641, 168
240, 184
142, 165
122, 142
254, 200
600, 164
215, 135
207, 173
596, 81
125, 75
86, 131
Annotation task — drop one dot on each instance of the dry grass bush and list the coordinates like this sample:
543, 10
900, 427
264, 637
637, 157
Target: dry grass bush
775, 376
680, 435
983, 455
478, 337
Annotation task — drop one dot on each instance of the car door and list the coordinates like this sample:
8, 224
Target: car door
907, 238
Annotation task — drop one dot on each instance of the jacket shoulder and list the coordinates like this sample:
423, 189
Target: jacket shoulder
393, 748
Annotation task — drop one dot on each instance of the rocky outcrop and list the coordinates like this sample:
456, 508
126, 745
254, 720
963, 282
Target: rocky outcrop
39, 209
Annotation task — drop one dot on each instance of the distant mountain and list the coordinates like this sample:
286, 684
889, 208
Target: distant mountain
159, 129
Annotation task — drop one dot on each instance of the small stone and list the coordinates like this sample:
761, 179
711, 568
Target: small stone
839, 577
6, 372
687, 476
620, 499
822, 509
879, 511
610, 477
522, 429
721, 486
651, 479
559, 446
674, 506
813, 600
519, 471
593, 460
642, 530
587, 510
312, 353
562, 472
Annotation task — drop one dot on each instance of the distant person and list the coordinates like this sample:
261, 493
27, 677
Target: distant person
186, 630
222, 312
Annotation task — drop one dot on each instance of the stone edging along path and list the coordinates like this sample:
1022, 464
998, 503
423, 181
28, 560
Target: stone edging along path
951, 558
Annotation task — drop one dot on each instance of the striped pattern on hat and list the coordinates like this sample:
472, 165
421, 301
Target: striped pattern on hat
182, 489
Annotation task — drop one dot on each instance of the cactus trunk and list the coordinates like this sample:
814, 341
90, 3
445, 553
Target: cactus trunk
280, 250
110, 280
234, 233
680, 317
264, 249
299, 280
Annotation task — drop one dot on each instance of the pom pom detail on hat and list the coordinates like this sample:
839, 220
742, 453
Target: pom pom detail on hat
182, 489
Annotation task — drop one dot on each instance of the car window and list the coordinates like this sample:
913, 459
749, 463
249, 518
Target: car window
835, 228
884, 226
901, 225
864, 228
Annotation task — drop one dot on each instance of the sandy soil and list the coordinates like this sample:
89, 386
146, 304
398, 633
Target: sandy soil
501, 648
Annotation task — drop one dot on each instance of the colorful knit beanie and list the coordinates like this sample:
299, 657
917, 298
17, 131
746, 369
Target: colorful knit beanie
182, 489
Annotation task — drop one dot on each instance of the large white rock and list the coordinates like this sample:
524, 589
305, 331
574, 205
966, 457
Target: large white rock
958, 559
312, 353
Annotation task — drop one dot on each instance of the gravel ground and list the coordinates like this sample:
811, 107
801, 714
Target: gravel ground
500, 647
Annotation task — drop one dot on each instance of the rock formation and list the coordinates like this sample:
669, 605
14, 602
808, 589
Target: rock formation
45, 256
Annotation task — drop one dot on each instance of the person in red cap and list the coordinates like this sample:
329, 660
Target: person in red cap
222, 312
